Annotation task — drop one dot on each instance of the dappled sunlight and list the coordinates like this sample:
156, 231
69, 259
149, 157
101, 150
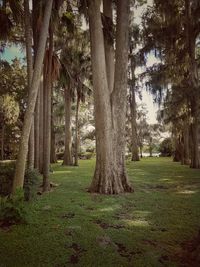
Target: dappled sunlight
137, 223
106, 209
65, 171
166, 180
187, 192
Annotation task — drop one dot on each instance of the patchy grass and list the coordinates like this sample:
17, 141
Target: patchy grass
157, 225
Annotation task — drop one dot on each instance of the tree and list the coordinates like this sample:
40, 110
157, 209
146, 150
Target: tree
110, 176
23, 150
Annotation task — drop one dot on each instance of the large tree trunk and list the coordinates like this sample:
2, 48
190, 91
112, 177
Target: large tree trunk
110, 176
67, 160
76, 143
23, 149
119, 94
29, 57
47, 113
108, 42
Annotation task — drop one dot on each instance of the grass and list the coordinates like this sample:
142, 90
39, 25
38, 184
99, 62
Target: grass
154, 226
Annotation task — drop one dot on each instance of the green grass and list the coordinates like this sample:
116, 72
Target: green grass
70, 227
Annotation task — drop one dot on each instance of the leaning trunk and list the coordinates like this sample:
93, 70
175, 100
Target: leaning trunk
29, 57
23, 150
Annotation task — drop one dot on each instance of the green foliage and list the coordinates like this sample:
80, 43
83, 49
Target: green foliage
12, 209
166, 147
6, 178
31, 183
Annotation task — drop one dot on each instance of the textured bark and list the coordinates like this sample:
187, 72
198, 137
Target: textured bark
119, 94
194, 80
41, 127
186, 160
23, 149
110, 176
29, 58
2, 140
195, 134
134, 145
47, 113
108, 43
76, 145
37, 131
67, 160
53, 137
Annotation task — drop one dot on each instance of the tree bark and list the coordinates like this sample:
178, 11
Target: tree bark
134, 143
41, 127
76, 145
67, 160
119, 94
53, 137
110, 176
2, 140
29, 57
47, 112
37, 130
108, 43
23, 150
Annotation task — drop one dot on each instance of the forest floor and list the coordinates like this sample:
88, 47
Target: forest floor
157, 225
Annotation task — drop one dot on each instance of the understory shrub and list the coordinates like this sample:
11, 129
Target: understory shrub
6, 178
31, 183
12, 209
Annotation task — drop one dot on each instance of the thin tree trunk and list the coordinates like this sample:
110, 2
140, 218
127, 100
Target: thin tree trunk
37, 130
29, 57
76, 145
134, 141
53, 137
186, 144
67, 160
23, 150
41, 127
47, 113
2, 140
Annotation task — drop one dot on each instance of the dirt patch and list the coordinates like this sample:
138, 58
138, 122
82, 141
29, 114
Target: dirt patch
104, 225
6, 226
77, 253
190, 253
124, 252
104, 241
149, 242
